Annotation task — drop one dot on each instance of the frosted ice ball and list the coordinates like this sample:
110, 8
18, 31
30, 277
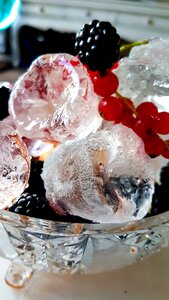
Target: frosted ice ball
107, 177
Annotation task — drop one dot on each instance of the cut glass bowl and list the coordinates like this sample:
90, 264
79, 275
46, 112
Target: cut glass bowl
36, 244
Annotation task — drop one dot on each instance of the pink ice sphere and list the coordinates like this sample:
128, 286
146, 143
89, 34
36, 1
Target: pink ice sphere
54, 100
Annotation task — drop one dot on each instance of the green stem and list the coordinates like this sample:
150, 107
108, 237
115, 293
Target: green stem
126, 103
166, 144
131, 45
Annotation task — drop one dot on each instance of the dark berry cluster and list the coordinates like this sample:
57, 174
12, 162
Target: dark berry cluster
33, 202
33, 205
160, 201
98, 45
36, 206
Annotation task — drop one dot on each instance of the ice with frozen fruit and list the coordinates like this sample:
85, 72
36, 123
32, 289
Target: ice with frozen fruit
105, 177
144, 75
14, 165
55, 100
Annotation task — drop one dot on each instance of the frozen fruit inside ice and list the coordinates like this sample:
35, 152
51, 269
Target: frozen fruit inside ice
14, 165
54, 100
105, 177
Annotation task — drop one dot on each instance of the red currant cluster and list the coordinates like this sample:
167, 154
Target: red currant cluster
145, 120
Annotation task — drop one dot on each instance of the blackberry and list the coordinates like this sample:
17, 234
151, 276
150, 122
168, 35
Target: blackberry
160, 201
164, 176
98, 45
33, 205
4, 97
33, 202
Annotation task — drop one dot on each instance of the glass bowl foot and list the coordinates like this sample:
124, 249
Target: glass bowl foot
17, 275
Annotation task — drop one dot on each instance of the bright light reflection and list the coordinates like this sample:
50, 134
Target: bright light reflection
162, 102
12, 16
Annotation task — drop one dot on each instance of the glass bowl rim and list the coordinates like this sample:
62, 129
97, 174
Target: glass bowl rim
53, 227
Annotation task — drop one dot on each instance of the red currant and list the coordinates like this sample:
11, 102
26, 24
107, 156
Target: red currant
163, 126
128, 120
115, 66
128, 117
105, 86
129, 106
147, 108
148, 112
153, 144
140, 127
92, 74
111, 109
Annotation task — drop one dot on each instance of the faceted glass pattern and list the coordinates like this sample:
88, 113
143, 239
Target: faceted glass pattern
86, 248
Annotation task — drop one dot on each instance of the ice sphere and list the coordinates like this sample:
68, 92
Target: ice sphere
14, 165
144, 75
55, 100
106, 177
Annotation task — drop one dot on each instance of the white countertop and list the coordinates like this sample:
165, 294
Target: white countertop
145, 280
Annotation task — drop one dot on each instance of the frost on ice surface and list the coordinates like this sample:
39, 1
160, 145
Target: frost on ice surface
144, 75
54, 100
14, 165
106, 177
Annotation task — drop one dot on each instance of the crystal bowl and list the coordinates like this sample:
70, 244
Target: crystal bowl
80, 247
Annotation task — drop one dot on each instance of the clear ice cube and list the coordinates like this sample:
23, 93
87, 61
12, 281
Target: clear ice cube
106, 177
55, 100
144, 75
14, 165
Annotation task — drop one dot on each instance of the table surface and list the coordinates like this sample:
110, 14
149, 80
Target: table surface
10, 75
146, 280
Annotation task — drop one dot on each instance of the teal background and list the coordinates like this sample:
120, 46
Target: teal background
5, 10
